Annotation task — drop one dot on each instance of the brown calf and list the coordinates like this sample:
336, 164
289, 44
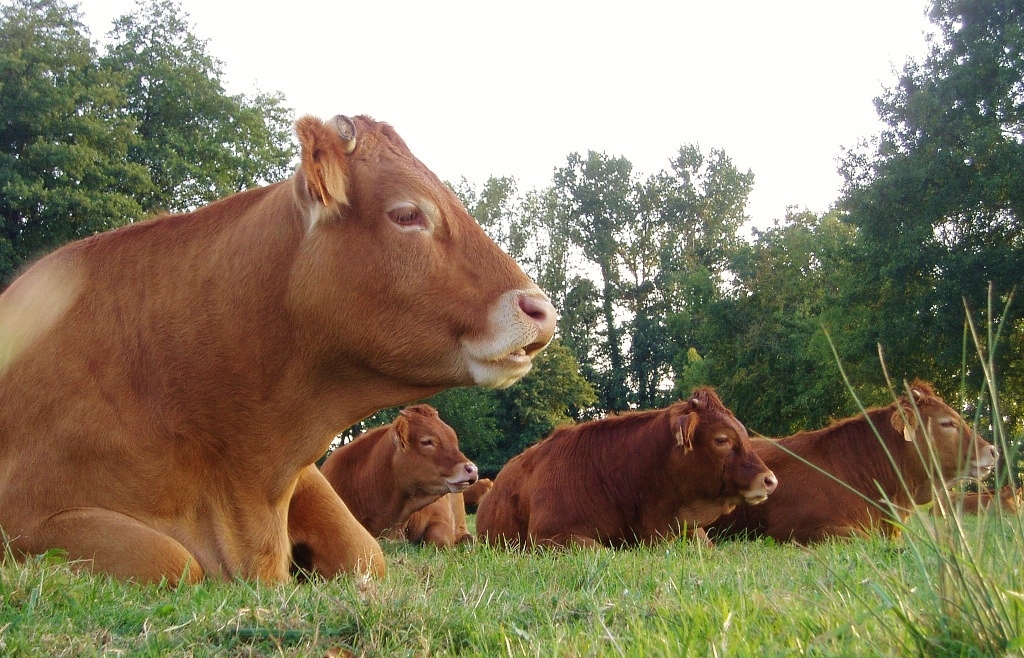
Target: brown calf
917, 433
165, 387
627, 479
389, 472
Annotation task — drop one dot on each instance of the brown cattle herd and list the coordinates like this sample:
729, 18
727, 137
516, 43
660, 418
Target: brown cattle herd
169, 387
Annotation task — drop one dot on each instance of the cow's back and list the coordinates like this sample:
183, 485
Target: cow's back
503, 515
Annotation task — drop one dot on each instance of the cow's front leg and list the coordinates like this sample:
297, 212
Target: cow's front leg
326, 538
113, 543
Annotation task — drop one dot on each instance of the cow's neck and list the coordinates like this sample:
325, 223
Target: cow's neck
853, 448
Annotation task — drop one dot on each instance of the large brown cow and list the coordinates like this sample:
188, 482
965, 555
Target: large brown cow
391, 471
917, 432
442, 523
166, 387
634, 478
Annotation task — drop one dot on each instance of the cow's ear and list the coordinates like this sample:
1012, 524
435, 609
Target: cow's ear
400, 432
905, 420
684, 426
326, 147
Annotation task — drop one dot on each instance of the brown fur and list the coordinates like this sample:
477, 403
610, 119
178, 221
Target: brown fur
628, 479
165, 386
977, 502
809, 506
474, 494
387, 473
442, 523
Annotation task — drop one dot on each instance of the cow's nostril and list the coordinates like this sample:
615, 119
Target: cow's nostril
770, 482
537, 307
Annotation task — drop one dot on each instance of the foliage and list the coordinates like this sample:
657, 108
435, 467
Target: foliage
197, 142
939, 196
764, 344
90, 142
643, 241
64, 139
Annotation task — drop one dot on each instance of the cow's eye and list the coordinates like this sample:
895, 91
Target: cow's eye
407, 215
721, 441
948, 424
426, 441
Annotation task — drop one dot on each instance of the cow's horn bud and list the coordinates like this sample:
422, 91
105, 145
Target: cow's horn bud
347, 130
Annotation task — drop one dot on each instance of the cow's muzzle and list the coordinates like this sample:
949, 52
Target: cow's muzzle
763, 485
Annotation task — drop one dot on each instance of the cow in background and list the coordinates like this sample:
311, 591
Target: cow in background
1007, 499
916, 433
166, 387
624, 480
388, 473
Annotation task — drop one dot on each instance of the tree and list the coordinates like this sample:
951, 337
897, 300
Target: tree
702, 205
598, 198
938, 196
64, 139
197, 142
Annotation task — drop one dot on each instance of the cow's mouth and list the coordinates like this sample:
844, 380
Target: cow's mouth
501, 371
520, 325
518, 357
981, 471
755, 499
459, 485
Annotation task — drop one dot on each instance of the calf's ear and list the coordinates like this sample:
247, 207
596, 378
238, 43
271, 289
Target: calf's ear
684, 426
400, 432
326, 147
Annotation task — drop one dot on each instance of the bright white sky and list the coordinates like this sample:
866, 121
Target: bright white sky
480, 88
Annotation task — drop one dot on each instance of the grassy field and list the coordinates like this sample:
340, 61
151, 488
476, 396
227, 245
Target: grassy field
953, 590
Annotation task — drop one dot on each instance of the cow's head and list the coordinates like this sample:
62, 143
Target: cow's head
704, 428
427, 460
943, 439
396, 276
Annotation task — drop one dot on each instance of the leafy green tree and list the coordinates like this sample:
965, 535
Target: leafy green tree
938, 196
598, 197
197, 142
702, 206
64, 139
471, 412
763, 345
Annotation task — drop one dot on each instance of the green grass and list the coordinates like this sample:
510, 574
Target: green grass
677, 599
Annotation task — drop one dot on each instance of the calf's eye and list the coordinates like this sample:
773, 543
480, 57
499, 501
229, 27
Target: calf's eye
721, 441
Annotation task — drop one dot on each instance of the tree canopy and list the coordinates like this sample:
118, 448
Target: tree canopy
91, 141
